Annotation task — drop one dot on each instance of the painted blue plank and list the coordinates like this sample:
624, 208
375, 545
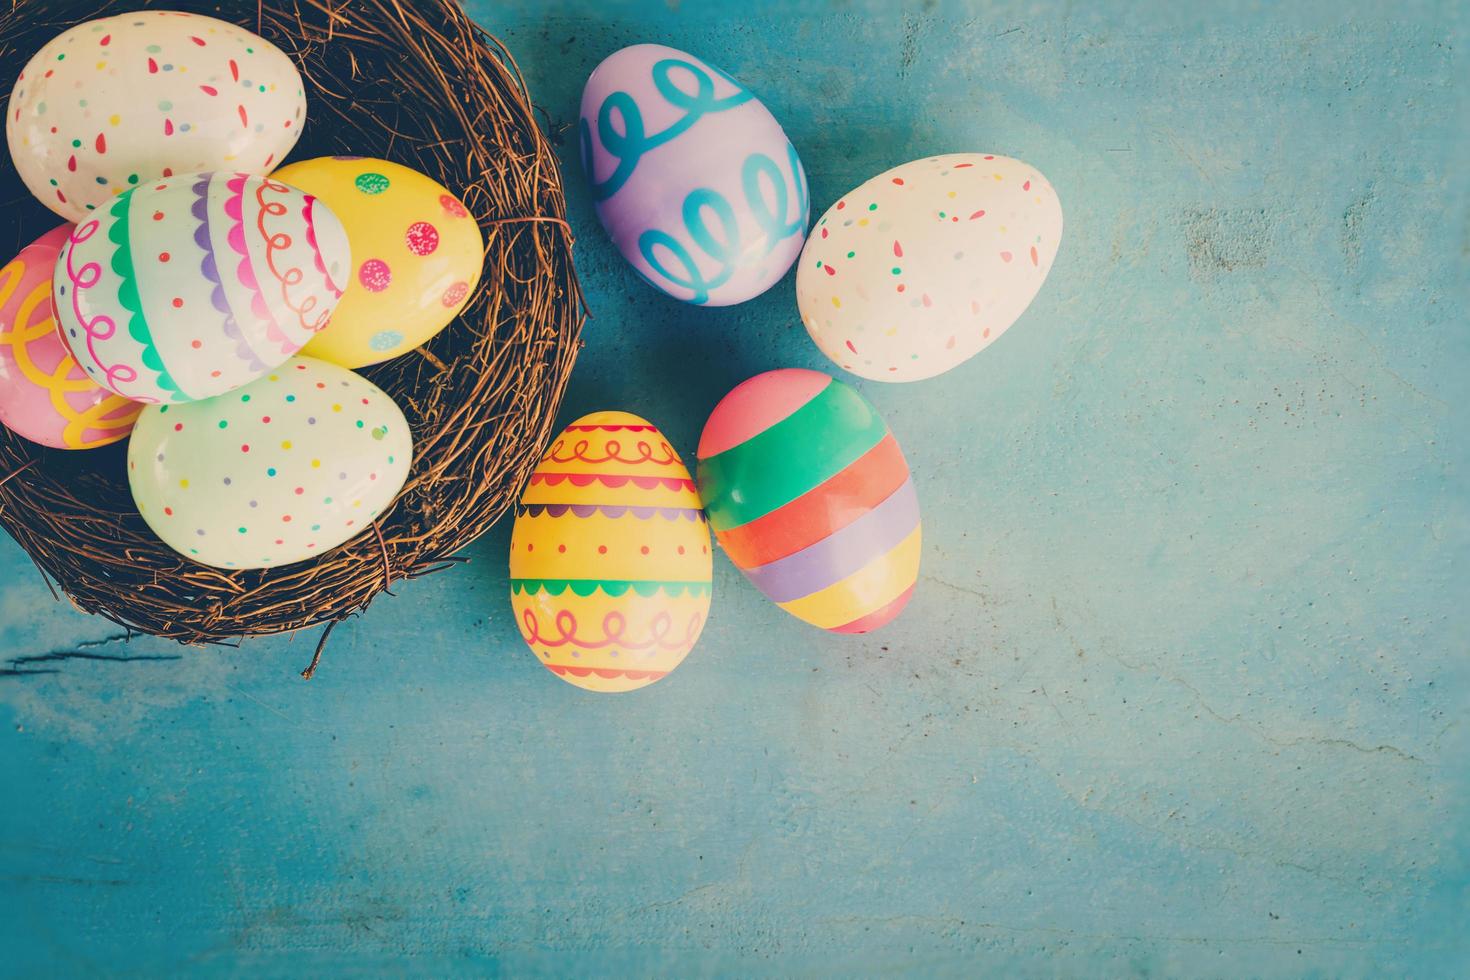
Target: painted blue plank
1181, 690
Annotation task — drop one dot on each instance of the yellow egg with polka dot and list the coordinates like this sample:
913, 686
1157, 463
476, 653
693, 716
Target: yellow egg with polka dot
416, 249
610, 569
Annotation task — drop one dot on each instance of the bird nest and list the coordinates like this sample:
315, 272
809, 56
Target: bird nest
416, 82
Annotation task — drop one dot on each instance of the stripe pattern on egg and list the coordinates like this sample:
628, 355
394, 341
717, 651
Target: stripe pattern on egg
810, 495
195, 285
610, 556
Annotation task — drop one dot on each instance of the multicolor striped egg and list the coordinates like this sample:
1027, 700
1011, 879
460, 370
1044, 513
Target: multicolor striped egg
610, 564
810, 496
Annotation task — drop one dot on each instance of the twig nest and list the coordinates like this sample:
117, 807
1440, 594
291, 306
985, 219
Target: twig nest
420, 85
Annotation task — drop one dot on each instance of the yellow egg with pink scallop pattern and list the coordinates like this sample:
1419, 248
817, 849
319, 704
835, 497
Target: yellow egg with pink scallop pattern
610, 564
416, 251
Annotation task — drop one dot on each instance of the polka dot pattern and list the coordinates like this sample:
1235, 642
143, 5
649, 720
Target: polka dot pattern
455, 294
452, 207
371, 183
375, 275
235, 487
386, 340
421, 238
418, 253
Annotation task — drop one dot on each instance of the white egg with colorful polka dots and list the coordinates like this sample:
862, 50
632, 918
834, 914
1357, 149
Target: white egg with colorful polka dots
924, 266
279, 471
116, 102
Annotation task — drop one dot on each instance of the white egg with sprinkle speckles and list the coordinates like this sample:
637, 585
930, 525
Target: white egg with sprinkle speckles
923, 266
281, 470
113, 103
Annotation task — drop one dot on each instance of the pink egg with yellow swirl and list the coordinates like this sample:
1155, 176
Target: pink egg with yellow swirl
45, 396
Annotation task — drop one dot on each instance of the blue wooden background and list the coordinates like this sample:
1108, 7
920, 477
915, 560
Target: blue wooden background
1183, 687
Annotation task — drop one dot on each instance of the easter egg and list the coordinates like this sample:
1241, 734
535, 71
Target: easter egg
283, 469
194, 285
692, 176
116, 102
610, 564
810, 496
923, 266
417, 255
45, 395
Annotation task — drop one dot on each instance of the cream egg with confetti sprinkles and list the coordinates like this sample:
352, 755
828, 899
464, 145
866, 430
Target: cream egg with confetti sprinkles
285, 468
119, 101
924, 266
416, 251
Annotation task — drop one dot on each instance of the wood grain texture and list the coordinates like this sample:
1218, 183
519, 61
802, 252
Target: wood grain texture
1181, 690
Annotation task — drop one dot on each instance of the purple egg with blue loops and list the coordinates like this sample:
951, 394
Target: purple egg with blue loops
692, 176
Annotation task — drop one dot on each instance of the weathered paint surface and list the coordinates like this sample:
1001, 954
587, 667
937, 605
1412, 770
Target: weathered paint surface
1182, 690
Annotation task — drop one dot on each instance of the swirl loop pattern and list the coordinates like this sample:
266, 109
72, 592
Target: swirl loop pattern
612, 452
722, 245
712, 205
662, 634
45, 395
610, 555
100, 327
629, 145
